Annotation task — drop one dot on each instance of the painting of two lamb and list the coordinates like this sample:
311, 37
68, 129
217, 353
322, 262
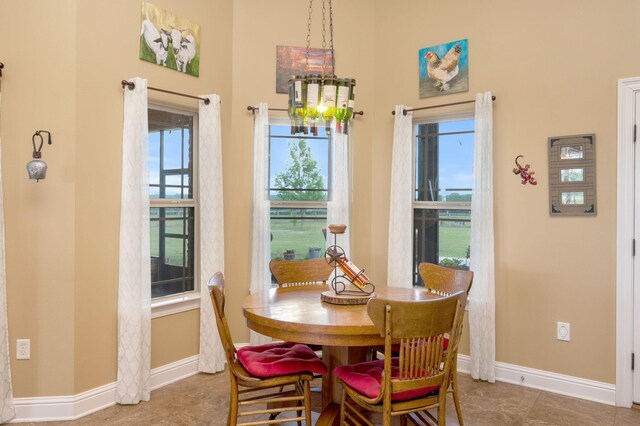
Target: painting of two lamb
169, 40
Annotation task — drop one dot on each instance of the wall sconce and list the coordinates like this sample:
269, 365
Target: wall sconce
37, 168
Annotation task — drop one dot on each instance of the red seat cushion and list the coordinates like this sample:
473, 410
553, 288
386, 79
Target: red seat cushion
279, 359
366, 378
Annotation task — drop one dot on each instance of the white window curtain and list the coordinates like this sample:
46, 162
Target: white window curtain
134, 281
261, 229
400, 252
339, 208
212, 357
482, 298
7, 409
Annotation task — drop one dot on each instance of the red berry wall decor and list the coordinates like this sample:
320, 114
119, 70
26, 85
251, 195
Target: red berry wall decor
525, 174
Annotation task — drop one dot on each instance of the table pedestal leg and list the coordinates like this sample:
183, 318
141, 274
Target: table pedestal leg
334, 356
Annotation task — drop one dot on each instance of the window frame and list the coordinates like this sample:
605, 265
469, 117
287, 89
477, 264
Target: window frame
189, 300
433, 205
297, 204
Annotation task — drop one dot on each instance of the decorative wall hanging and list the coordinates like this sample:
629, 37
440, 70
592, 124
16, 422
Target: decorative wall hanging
37, 168
572, 175
169, 40
444, 69
525, 174
291, 61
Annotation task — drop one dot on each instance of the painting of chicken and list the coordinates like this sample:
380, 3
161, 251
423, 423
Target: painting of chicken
444, 69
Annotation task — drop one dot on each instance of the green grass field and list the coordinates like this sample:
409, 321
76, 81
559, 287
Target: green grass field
454, 241
173, 246
298, 236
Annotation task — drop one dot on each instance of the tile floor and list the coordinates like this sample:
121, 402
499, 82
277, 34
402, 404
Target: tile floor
203, 400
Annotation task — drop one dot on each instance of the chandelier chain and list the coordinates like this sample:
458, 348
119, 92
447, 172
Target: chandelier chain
333, 58
309, 32
324, 37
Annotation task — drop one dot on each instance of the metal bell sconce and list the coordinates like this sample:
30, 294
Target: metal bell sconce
37, 168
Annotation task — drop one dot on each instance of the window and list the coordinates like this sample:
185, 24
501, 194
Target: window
299, 182
172, 200
442, 200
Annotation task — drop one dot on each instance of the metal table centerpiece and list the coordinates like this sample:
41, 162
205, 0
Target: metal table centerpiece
349, 285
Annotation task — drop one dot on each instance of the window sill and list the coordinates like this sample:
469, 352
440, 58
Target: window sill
174, 305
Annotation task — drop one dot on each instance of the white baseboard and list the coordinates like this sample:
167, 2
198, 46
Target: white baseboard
547, 381
73, 407
57, 408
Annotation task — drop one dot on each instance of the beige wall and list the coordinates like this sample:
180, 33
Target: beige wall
62, 233
39, 217
553, 66
99, 127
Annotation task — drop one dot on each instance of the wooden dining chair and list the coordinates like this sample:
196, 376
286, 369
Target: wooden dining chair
293, 273
443, 281
259, 373
289, 273
416, 380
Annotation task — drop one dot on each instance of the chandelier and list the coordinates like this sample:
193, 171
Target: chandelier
321, 97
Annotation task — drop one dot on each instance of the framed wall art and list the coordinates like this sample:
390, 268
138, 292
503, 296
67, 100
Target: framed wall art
169, 40
572, 175
291, 60
444, 69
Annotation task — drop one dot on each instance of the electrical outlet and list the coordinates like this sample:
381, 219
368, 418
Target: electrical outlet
564, 331
23, 349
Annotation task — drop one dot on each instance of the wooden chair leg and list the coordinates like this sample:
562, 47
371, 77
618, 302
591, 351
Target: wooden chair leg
442, 416
232, 419
307, 403
442, 409
342, 406
454, 385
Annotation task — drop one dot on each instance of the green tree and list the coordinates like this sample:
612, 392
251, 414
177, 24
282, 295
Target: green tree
302, 173
454, 196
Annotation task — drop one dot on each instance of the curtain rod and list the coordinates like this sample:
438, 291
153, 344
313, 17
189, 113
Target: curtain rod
1, 66
254, 109
405, 111
132, 86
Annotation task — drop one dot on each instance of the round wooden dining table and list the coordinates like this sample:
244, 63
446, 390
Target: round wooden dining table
345, 332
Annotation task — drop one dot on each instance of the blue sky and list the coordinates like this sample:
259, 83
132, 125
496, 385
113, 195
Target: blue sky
455, 156
279, 160
172, 157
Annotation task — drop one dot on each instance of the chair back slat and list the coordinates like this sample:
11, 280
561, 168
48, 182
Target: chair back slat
290, 273
420, 357
444, 281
